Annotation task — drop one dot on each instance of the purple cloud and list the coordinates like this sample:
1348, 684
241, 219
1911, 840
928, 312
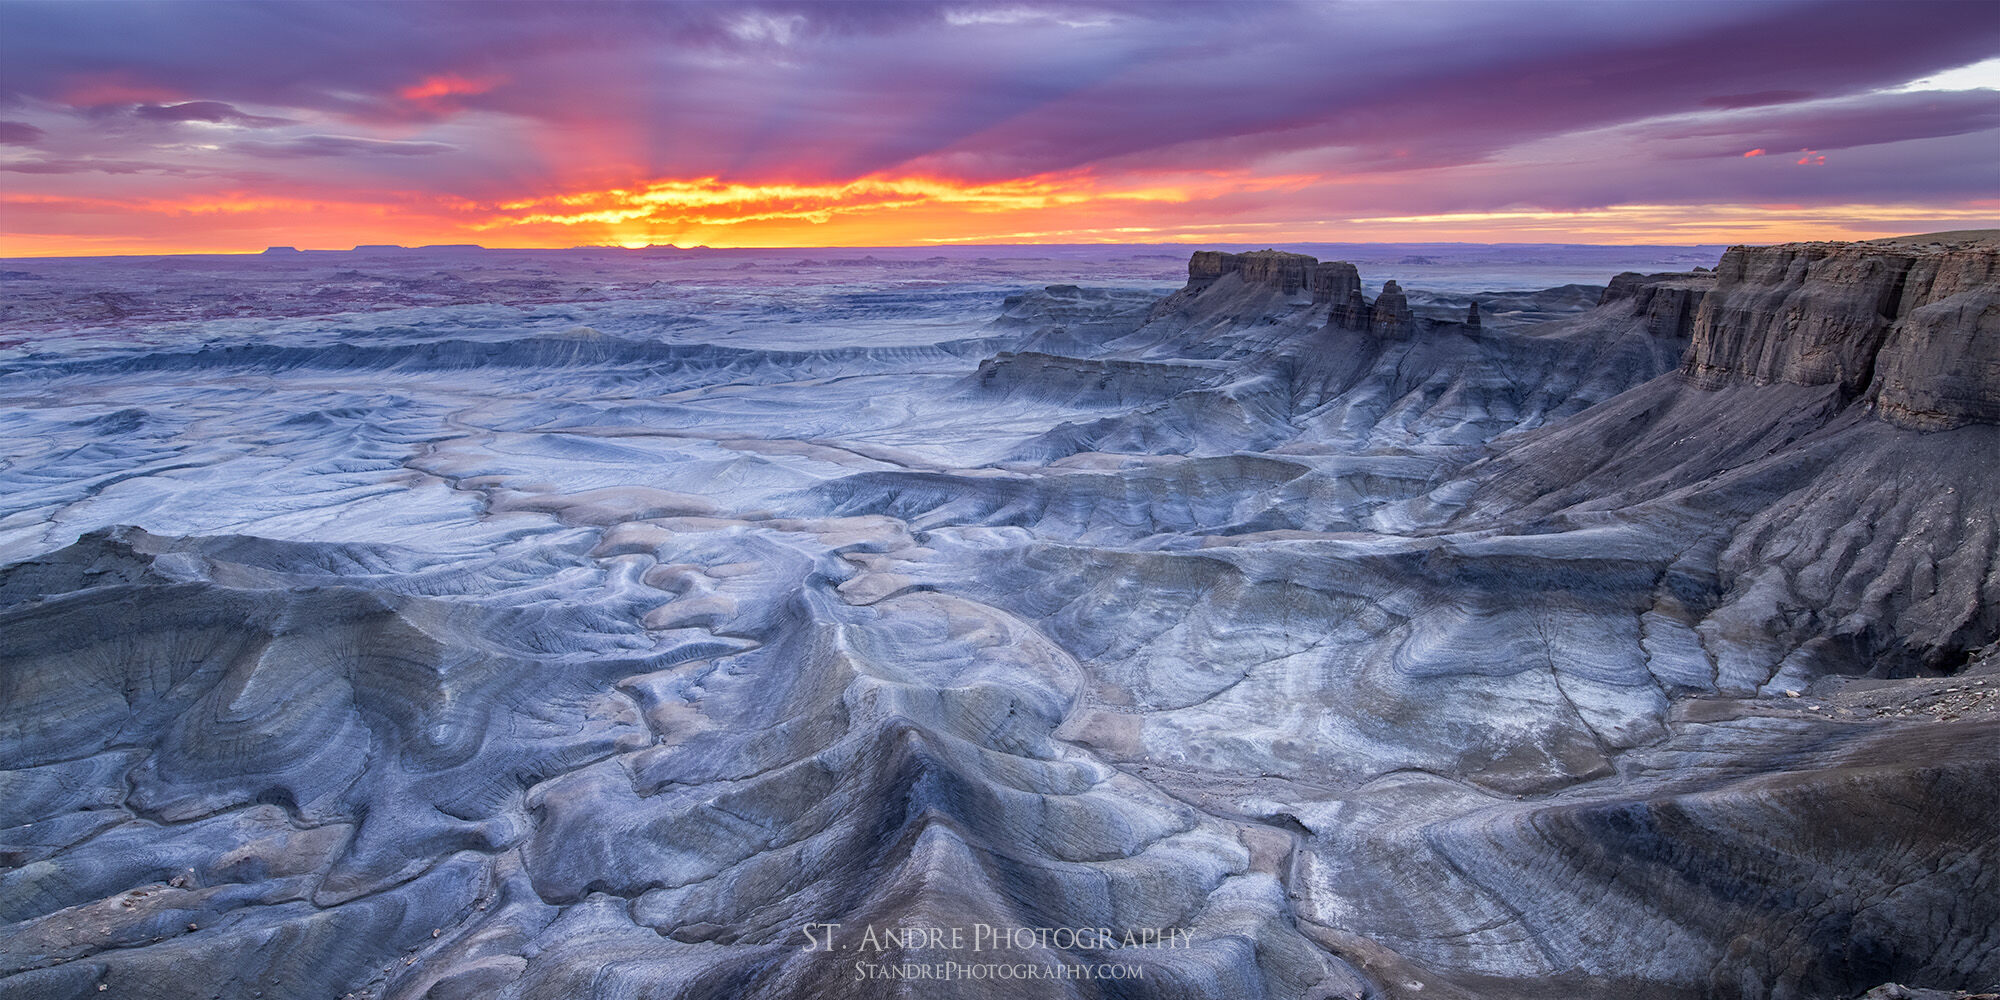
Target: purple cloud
19, 133
214, 112
1375, 109
1758, 99
1863, 121
341, 145
89, 166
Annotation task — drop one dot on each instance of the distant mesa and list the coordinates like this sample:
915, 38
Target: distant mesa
1957, 239
1285, 272
1335, 284
426, 248
281, 251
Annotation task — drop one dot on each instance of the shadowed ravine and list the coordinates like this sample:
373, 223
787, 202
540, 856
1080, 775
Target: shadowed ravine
510, 648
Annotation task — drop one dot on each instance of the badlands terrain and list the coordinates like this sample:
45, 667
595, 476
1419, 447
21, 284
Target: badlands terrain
597, 624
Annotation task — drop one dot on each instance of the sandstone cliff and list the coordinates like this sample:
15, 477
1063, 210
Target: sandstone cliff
1912, 329
1286, 272
1941, 364
1335, 286
1277, 270
1334, 281
1392, 317
1668, 301
1276, 293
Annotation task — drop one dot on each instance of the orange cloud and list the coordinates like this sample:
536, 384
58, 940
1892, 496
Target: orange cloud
884, 210
443, 89
712, 201
1813, 158
1754, 152
874, 210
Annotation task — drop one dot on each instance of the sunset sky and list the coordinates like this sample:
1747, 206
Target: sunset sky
210, 127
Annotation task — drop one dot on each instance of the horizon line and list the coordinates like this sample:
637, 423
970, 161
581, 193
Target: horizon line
282, 250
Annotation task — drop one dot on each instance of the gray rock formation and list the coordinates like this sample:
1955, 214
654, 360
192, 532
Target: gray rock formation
1335, 281
540, 650
1916, 328
1668, 301
1939, 367
1283, 272
1391, 316
1353, 314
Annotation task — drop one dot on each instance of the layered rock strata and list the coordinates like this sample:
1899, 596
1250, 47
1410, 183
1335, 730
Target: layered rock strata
1668, 301
1334, 281
1912, 329
1391, 316
1285, 272
1351, 314
1335, 287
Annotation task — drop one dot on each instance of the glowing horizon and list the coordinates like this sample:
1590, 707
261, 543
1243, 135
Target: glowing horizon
227, 129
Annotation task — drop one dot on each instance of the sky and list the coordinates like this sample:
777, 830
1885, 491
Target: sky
186, 127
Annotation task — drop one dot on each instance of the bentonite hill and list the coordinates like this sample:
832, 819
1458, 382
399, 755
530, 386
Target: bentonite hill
475, 625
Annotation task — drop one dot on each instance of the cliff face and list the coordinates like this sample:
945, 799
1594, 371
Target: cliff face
1910, 328
1285, 272
1941, 365
1335, 280
1668, 301
1335, 284
1914, 330
1391, 317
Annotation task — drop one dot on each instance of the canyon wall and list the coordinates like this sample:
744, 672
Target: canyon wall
1913, 330
1669, 302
